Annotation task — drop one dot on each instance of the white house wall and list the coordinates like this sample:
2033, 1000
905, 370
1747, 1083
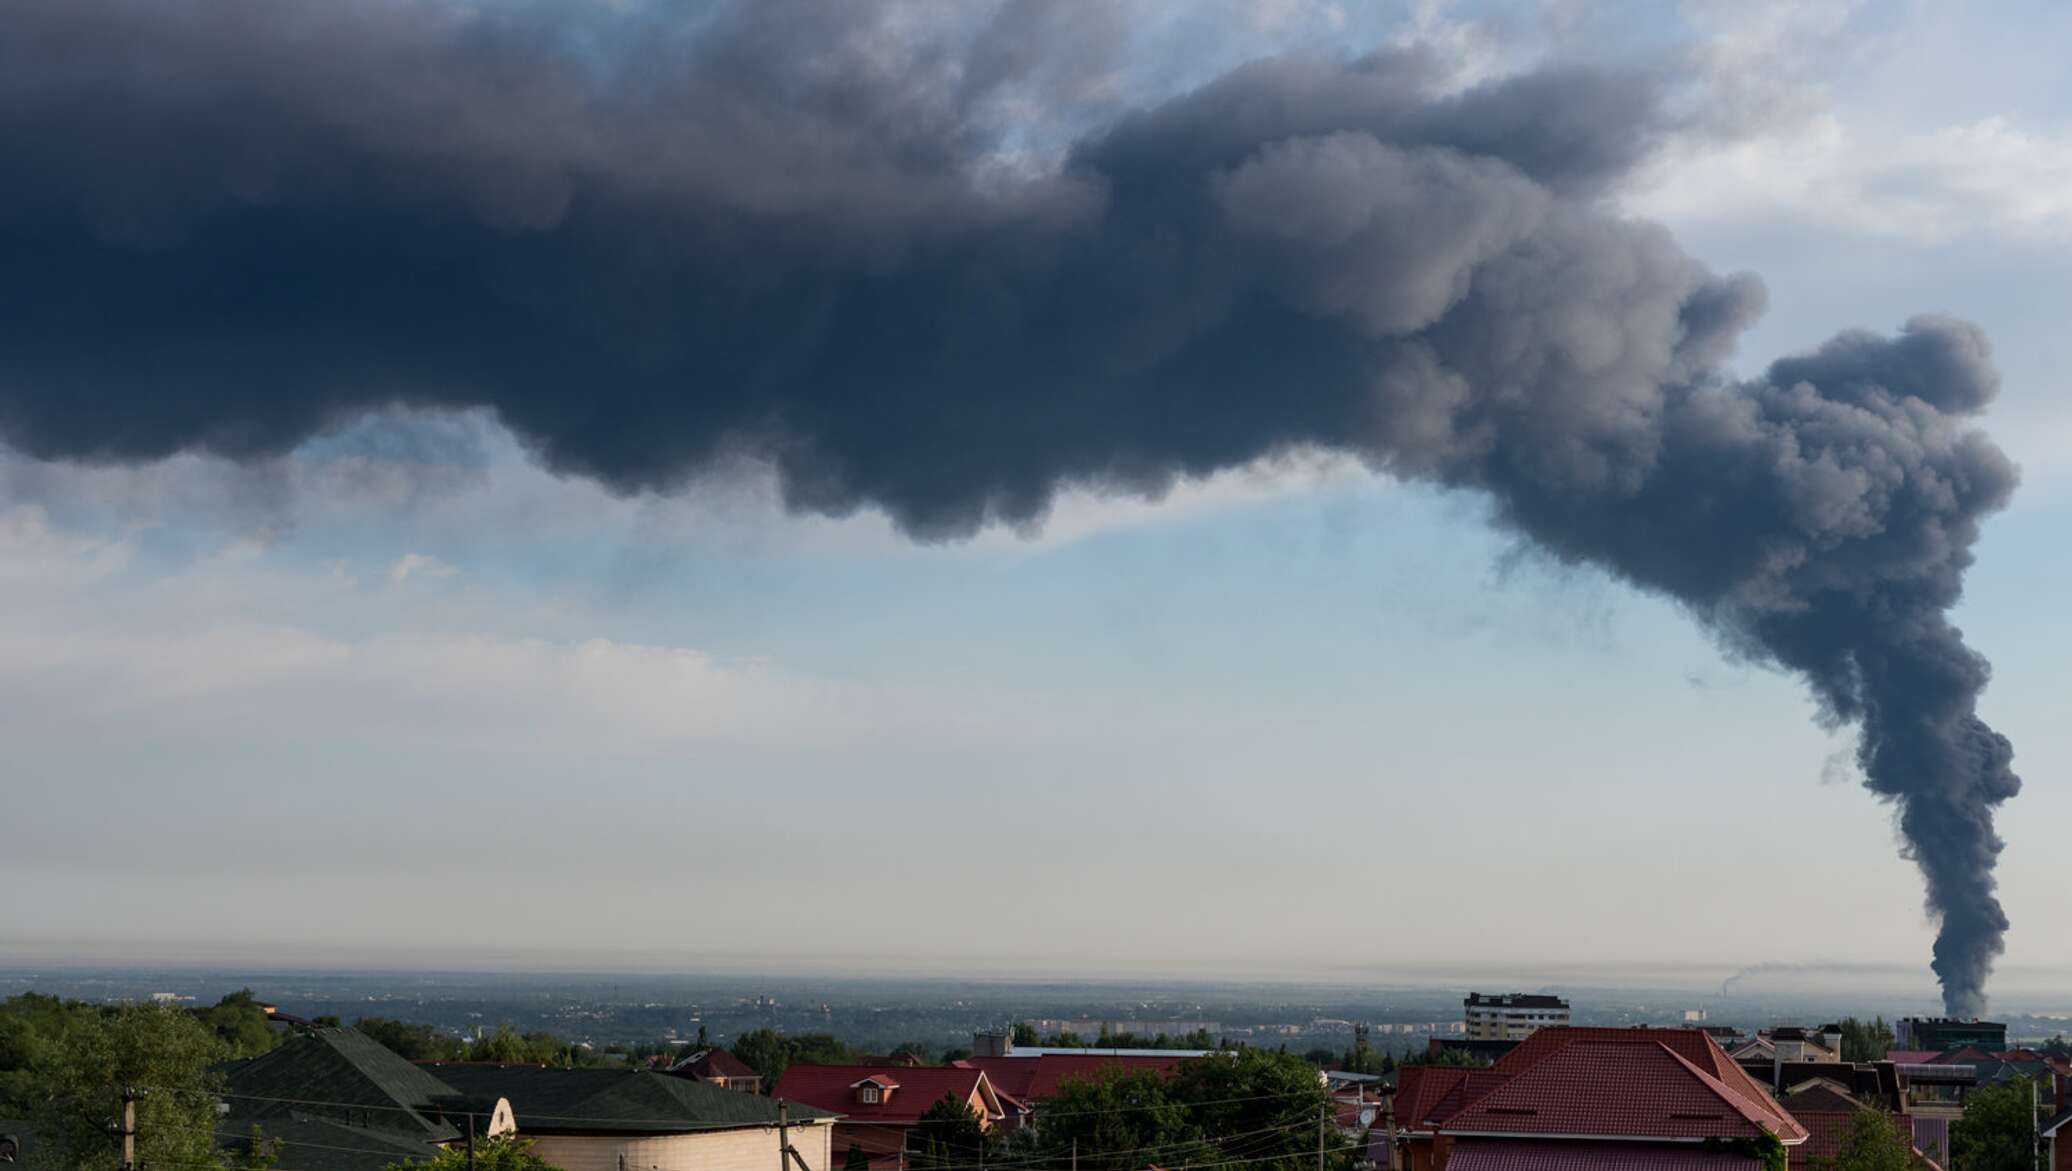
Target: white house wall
718, 1150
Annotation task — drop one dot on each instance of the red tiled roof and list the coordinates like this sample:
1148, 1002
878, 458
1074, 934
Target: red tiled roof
1431, 1094
830, 1087
1548, 1155
1828, 1118
715, 1063
1040, 1076
1603, 1089
1692, 1047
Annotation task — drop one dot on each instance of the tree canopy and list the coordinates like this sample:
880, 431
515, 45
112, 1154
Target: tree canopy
768, 1051
505, 1152
1998, 1129
162, 1055
1874, 1143
1261, 1107
1865, 1040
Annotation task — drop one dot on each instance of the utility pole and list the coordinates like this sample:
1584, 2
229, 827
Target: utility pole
471, 1140
787, 1156
1075, 1153
1323, 1122
1388, 1114
129, 1128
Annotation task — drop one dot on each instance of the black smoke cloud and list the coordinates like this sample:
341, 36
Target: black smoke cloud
652, 239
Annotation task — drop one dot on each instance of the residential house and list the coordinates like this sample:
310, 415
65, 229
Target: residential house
880, 1105
1829, 1110
343, 1102
641, 1120
2057, 1141
1032, 1078
1606, 1099
717, 1067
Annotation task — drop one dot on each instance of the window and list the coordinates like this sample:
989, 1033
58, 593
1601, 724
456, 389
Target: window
869, 1094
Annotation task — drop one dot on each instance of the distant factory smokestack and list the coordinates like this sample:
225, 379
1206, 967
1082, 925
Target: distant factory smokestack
802, 233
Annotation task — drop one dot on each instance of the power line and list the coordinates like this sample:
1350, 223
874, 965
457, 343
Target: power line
679, 1124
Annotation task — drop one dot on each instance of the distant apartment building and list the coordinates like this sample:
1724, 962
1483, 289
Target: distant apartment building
1511, 1017
1137, 1028
1941, 1034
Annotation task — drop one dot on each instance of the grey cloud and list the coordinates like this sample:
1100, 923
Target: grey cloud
655, 239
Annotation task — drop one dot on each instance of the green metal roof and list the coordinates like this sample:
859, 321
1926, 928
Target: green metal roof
615, 1100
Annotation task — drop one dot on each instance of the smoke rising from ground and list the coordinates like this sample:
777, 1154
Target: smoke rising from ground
653, 241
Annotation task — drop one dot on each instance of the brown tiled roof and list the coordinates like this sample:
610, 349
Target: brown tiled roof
1545, 1155
1606, 1089
1428, 1095
1693, 1046
712, 1063
832, 1087
1828, 1116
1034, 1078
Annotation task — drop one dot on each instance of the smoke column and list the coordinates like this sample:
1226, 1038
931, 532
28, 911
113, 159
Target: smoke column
649, 240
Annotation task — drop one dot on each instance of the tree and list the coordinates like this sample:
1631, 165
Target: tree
764, 1051
1025, 1034
507, 1046
951, 1134
1119, 1120
1863, 1041
412, 1042
768, 1051
1998, 1129
856, 1160
161, 1053
505, 1152
1274, 1099
242, 1025
1874, 1143
255, 1152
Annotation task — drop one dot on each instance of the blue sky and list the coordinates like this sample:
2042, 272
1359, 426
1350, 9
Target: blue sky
405, 696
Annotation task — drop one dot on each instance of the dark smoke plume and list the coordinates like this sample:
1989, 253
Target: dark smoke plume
811, 234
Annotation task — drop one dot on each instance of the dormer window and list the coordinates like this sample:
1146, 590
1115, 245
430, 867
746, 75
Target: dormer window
873, 1090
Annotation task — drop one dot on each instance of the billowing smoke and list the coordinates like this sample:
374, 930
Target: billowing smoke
822, 236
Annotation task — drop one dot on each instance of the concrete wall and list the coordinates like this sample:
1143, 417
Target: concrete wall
752, 1149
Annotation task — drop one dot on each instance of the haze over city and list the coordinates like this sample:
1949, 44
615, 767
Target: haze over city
1230, 490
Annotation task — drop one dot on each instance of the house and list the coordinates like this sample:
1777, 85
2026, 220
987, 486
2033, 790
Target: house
1607, 1099
879, 1105
343, 1102
717, 1067
1792, 1043
1828, 1111
641, 1120
1035, 1077
2057, 1141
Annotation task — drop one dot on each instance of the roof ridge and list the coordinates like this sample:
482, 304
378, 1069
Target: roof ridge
1775, 1120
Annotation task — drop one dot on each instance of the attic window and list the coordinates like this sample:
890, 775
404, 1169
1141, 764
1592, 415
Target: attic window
869, 1093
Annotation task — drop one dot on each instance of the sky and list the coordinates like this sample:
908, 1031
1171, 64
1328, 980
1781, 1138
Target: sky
414, 688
